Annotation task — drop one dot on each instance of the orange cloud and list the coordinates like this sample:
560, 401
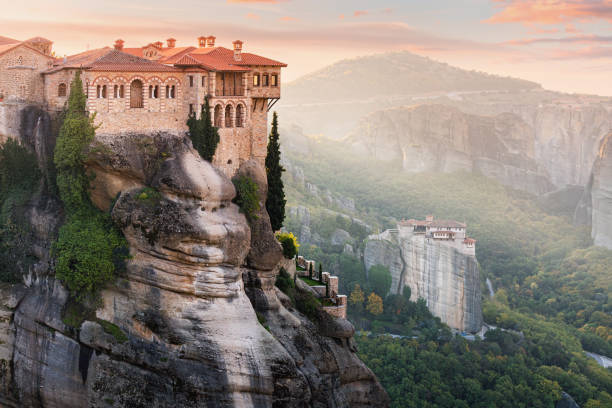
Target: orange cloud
551, 11
571, 29
252, 16
288, 19
360, 13
341, 16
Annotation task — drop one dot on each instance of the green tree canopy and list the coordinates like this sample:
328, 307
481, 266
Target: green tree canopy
380, 279
204, 136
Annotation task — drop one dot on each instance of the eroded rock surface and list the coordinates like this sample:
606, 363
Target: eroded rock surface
596, 205
446, 278
186, 333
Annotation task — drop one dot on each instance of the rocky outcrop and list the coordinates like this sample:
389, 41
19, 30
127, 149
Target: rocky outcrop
438, 272
595, 208
535, 148
179, 327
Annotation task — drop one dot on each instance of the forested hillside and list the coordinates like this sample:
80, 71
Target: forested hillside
552, 287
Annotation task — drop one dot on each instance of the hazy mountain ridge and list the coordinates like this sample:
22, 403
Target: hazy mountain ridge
392, 74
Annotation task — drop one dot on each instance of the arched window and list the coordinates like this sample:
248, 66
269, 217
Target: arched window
153, 91
255, 79
239, 112
116, 91
136, 89
122, 91
98, 91
170, 91
228, 116
218, 116
104, 91
61, 90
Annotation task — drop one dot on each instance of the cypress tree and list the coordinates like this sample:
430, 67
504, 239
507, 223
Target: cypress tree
204, 136
321, 272
310, 271
275, 202
210, 134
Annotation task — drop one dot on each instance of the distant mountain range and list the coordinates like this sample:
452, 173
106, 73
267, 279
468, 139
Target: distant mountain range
392, 74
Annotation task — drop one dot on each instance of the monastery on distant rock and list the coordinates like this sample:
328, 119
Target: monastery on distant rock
152, 88
452, 232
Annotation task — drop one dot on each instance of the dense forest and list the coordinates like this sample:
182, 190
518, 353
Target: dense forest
552, 286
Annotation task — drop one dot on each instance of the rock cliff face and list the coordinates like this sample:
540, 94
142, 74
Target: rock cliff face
532, 148
186, 305
445, 277
595, 207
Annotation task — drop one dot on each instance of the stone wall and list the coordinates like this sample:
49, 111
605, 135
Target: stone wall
20, 77
9, 119
339, 310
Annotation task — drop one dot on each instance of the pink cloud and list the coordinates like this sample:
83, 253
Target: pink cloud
571, 29
360, 13
341, 16
256, 1
551, 11
578, 39
288, 19
252, 16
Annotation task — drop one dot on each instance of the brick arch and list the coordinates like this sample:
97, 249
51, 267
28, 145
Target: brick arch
120, 80
139, 77
240, 114
154, 80
218, 115
172, 79
101, 80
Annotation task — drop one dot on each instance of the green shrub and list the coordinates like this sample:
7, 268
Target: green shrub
289, 243
285, 283
19, 178
113, 330
89, 249
246, 196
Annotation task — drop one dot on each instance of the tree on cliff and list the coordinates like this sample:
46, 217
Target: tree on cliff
89, 249
375, 304
203, 135
357, 298
275, 202
320, 272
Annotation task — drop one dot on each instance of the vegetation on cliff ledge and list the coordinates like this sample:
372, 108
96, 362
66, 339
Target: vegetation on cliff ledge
246, 196
89, 249
19, 175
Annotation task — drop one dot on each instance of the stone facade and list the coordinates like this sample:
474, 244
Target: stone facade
137, 91
20, 74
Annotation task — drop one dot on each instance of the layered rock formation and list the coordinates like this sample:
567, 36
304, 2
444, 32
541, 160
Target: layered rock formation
436, 271
538, 154
179, 327
595, 208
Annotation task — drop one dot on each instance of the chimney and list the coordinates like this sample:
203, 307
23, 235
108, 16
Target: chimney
429, 218
210, 41
171, 42
119, 45
202, 42
237, 50
158, 45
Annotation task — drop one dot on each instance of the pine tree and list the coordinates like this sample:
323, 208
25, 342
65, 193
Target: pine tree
320, 272
275, 202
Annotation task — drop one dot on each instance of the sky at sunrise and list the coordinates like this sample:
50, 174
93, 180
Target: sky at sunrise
564, 45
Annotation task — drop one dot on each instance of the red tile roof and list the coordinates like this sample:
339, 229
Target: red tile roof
7, 47
108, 59
6, 40
469, 241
